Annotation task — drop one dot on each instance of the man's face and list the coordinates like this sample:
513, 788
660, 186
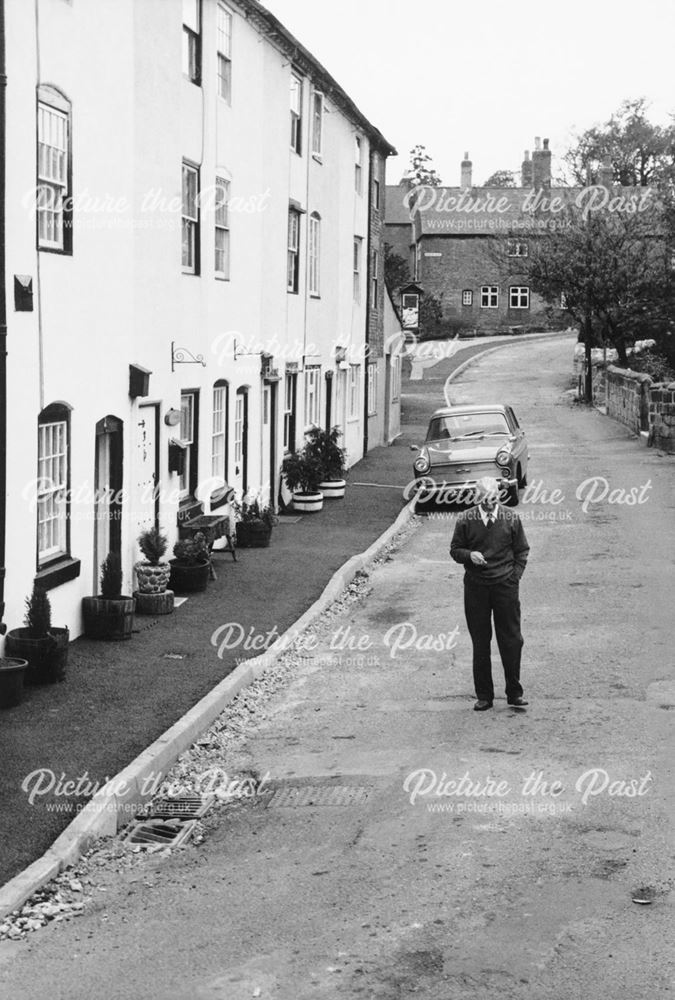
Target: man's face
489, 500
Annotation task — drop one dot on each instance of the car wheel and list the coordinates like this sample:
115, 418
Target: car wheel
512, 496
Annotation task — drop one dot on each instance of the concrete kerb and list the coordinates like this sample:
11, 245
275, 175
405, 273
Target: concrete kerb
116, 803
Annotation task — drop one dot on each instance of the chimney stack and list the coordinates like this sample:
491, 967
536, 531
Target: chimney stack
466, 172
606, 173
541, 164
526, 171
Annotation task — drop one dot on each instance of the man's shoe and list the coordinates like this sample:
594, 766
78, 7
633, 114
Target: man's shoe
482, 706
517, 703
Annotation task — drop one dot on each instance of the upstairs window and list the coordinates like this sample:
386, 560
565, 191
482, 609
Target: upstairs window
222, 234
224, 43
296, 113
376, 194
358, 183
517, 248
190, 219
293, 259
375, 281
192, 40
357, 268
317, 123
314, 254
54, 216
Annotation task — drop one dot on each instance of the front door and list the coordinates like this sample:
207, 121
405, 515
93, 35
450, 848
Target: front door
240, 474
108, 502
146, 468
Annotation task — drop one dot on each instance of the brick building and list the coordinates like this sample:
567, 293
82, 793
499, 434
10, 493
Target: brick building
448, 236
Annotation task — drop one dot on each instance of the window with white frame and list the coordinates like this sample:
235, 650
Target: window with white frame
239, 428
372, 389
224, 45
353, 391
296, 113
52, 486
290, 396
293, 258
222, 230
192, 40
357, 267
517, 248
489, 297
219, 431
53, 172
314, 254
358, 171
375, 281
519, 297
467, 297
188, 434
312, 395
317, 123
190, 251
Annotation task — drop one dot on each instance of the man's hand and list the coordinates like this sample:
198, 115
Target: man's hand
478, 559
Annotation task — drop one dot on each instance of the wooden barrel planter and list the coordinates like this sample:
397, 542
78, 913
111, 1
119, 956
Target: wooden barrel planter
47, 656
108, 618
253, 534
188, 579
333, 489
154, 604
308, 503
12, 672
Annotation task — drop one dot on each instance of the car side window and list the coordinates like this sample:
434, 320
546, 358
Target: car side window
512, 418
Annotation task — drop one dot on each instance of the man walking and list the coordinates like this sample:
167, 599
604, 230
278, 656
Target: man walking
490, 542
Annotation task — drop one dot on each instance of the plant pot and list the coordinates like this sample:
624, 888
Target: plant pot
12, 673
47, 656
308, 503
154, 604
153, 578
253, 534
188, 579
333, 489
108, 618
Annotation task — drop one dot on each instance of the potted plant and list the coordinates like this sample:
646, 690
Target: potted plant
324, 444
191, 565
12, 673
152, 596
303, 473
44, 646
110, 615
254, 524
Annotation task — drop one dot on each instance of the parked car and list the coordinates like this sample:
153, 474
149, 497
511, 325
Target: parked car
465, 443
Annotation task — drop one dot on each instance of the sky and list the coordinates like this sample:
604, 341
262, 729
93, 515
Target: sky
486, 77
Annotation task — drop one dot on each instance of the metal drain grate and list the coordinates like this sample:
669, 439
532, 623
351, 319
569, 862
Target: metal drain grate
167, 832
292, 796
182, 806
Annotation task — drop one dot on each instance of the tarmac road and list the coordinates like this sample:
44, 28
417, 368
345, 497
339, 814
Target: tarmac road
514, 888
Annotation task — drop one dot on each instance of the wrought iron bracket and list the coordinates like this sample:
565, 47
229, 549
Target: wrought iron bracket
181, 356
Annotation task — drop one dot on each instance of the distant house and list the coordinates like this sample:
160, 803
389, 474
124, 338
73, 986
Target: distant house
447, 236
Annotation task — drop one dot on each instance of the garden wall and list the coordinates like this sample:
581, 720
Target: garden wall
642, 405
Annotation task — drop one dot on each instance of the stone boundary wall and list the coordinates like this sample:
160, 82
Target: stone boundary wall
642, 405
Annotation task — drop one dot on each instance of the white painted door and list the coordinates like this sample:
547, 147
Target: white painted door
145, 469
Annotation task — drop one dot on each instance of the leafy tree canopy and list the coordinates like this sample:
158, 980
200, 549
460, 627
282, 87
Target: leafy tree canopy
421, 172
501, 179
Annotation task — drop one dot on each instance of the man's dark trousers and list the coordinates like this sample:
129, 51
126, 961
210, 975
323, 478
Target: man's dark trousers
481, 602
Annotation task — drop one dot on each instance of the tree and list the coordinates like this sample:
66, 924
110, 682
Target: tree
637, 150
420, 172
613, 271
501, 179
396, 269
431, 315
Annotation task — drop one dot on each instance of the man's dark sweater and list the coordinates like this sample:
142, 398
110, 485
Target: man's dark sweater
503, 545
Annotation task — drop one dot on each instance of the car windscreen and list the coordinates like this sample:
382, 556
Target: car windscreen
460, 425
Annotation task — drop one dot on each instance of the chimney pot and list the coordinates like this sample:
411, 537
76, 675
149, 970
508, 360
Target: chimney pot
537, 143
466, 169
545, 143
